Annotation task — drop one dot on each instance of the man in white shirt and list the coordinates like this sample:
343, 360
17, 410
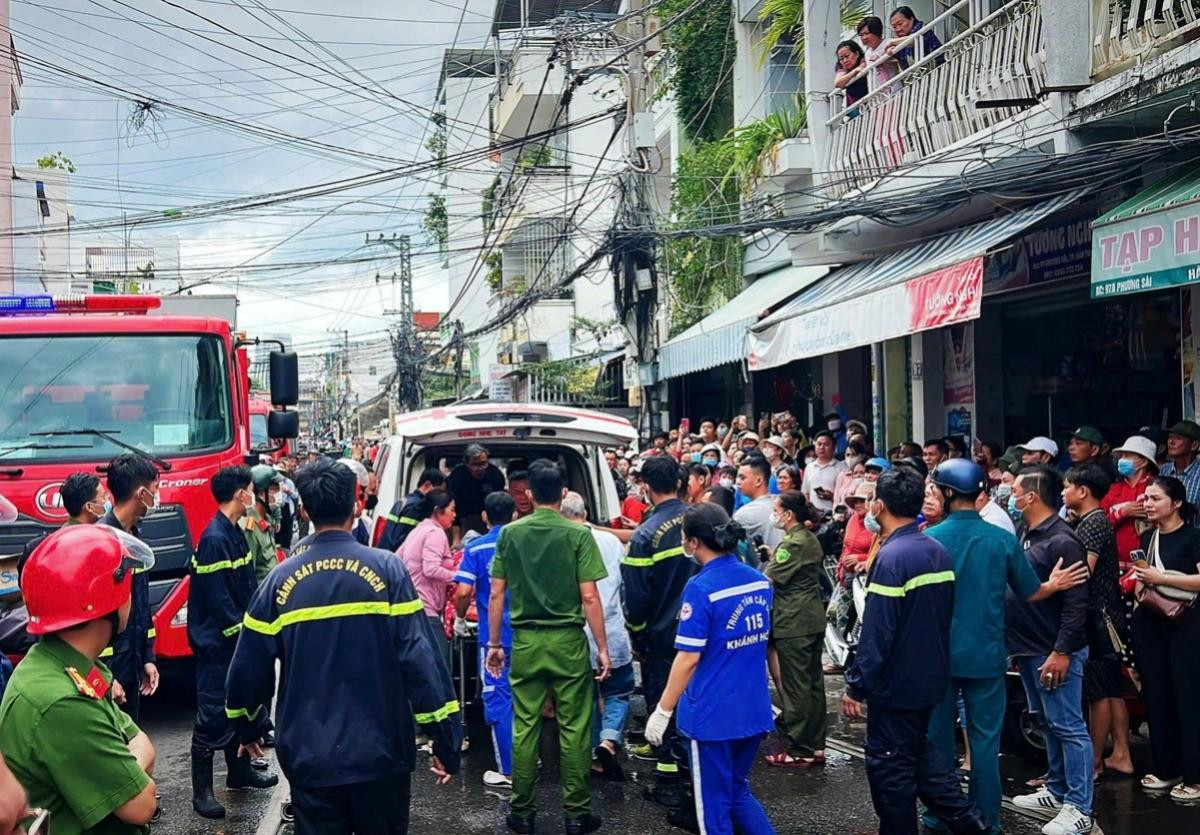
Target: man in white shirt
753, 479
820, 477
993, 514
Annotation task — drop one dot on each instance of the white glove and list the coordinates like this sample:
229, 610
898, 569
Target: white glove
461, 628
656, 725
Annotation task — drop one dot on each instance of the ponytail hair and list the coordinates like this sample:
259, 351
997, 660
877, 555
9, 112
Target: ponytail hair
710, 524
1176, 492
436, 499
793, 500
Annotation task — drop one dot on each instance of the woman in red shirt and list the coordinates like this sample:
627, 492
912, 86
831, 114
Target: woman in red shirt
1123, 502
856, 542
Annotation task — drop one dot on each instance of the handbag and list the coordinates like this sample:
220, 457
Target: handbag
1170, 606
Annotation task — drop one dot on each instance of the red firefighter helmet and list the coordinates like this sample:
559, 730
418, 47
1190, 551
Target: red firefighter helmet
80, 573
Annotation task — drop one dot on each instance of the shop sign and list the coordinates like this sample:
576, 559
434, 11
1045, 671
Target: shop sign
1050, 252
939, 298
1161, 249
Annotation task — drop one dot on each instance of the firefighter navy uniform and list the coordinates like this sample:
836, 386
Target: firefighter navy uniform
902, 671
404, 516
475, 570
222, 580
132, 649
356, 650
726, 709
654, 574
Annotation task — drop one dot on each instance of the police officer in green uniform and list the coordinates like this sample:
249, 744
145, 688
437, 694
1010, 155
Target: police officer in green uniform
548, 566
256, 524
797, 629
75, 752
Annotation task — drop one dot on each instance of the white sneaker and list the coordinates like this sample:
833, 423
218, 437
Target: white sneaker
496, 780
1069, 821
1041, 801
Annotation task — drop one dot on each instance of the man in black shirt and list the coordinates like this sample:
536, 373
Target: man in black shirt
1049, 640
469, 483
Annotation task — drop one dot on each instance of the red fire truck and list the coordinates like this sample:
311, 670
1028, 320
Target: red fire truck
87, 378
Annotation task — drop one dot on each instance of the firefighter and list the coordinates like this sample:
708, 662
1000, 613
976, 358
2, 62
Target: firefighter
63, 736
132, 482
654, 574
356, 651
407, 514
256, 524
222, 580
902, 667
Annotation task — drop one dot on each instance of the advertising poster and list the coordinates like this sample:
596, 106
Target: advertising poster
958, 379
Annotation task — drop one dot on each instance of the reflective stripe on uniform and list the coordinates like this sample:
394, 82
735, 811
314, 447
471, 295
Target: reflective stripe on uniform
635, 627
242, 713
691, 642
931, 579
658, 556
438, 715
666, 768
335, 610
408, 520
220, 565
758, 585
233, 630
152, 633
106, 652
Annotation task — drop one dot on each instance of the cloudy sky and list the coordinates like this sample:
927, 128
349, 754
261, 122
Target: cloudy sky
256, 97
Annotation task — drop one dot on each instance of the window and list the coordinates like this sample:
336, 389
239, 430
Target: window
165, 394
258, 432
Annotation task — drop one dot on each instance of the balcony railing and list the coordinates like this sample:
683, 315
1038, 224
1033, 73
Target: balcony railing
987, 73
1124, 32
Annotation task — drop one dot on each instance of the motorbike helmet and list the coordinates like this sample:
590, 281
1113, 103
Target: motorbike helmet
80, 573
264, 476
959, 475
356, 467
881, 464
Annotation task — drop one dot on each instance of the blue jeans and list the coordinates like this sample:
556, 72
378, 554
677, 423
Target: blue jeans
608, 725
1068, 746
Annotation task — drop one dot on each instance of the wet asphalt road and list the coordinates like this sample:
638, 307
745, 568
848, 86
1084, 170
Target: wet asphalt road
834, 799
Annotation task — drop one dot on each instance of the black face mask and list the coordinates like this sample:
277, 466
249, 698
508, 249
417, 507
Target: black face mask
372, 501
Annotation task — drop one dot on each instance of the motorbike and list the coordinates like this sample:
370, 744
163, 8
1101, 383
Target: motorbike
840, 640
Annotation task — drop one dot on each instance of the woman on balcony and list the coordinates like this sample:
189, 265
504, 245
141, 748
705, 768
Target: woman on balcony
850, 75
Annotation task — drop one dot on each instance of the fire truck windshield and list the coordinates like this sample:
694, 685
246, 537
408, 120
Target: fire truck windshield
167, 395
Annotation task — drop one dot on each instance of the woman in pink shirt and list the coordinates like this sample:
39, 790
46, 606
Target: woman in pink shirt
426, 555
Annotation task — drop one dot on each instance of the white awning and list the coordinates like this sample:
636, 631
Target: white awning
722, 336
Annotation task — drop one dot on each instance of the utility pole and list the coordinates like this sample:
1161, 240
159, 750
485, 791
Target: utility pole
637, 290
407, 350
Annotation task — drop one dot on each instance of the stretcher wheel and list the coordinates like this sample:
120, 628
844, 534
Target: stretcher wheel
285, 811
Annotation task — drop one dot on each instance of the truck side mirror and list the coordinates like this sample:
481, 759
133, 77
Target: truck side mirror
285, 380
283, 424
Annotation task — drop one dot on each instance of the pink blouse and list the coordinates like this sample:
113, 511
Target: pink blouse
426, 555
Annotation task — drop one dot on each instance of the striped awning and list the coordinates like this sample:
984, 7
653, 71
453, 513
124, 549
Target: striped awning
721, 337
1175, 191
891, 295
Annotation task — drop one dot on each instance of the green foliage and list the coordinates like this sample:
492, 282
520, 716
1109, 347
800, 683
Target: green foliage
57, 160
704, 272
436, 143
702, 52
437, 387
436, 222
754, 145
536, 158
786, 17
595, 328
488, 204
577, 378
495, 270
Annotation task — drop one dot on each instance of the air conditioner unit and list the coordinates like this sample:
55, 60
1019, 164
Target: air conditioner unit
534, 352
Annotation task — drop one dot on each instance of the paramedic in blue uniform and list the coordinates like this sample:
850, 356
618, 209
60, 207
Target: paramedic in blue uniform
902, 666
718, 681
356, 650
654, 574
222, 581
407, 513
474, 579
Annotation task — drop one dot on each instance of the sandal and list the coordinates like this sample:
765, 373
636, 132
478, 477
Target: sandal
783, 759
1186, 794
1157, 784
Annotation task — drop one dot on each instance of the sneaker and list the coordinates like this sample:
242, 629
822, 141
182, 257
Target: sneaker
496, 780
1069, 821
644, 752
1040, 801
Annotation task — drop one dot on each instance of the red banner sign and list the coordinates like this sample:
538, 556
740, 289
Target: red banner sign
948, 295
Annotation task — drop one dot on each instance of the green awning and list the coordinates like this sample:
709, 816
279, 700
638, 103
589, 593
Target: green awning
1151, 241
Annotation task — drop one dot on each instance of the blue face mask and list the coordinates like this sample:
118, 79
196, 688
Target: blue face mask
695, 458
871, 523
1013, 510
108, 506
1125, 467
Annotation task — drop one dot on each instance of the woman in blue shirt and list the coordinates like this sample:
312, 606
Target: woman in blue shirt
719, 677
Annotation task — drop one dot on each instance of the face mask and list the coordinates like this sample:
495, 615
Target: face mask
689, 554
811, 460
777, 521
834, 425
277, 500
695, 458
770, 453
871, 523
851, 460
711, 462
1001, 493
152, 505
727, 483
107, 506
1014, 509
1125, 468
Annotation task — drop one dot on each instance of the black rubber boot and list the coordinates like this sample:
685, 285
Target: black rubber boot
241, 774
202, 786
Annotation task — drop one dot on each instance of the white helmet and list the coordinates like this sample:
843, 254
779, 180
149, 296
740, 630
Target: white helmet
356, 467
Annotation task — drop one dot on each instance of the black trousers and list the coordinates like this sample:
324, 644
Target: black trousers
673, 753
212, 730
1168, 658
903, 765
376, 808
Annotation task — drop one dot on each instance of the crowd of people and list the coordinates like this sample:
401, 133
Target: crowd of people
1080, 569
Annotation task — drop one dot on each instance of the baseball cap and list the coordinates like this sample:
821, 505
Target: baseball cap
1093, 436
1040, 443
1186, 428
